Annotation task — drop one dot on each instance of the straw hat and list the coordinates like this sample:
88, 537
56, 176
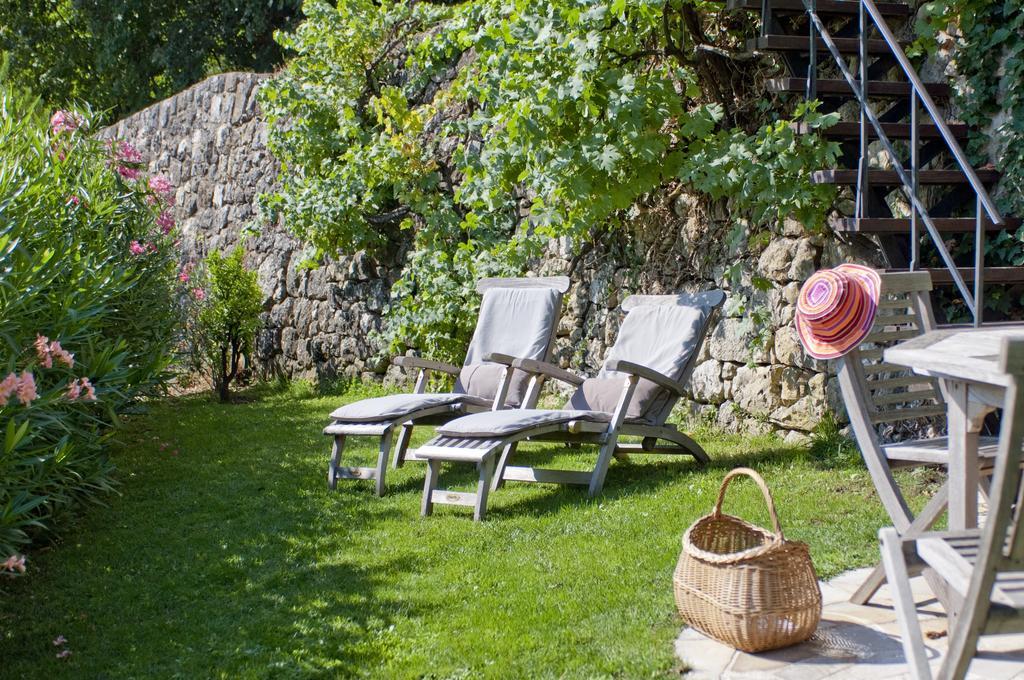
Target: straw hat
836, 309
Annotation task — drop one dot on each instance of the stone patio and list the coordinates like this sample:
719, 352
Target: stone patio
852, 643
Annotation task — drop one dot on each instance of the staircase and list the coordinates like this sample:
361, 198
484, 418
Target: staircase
912, 185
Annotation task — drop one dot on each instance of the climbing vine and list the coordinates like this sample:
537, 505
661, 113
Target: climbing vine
479, 130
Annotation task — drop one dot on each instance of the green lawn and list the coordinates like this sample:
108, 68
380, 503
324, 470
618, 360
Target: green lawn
225, 555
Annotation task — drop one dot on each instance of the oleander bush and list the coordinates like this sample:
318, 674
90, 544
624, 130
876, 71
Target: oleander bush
88, 291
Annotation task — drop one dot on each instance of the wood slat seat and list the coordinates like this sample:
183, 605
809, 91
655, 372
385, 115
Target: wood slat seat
957, 555
934, 451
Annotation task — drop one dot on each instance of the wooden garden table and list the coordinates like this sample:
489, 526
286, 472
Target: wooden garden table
967, 363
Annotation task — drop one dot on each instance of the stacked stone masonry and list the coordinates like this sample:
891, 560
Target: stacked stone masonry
320, 323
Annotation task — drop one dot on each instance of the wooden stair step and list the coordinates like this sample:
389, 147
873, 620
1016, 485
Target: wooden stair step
890, 178
876, 88
851, 129
942, 277
897, 225
833, 7
799, 43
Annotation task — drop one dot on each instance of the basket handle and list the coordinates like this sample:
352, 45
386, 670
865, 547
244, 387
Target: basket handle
764, 491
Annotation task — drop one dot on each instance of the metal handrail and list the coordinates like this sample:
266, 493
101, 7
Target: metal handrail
909, 183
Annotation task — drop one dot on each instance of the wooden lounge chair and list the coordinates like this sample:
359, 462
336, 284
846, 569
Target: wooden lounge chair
984, 568
517, 316
643, 377
878, 393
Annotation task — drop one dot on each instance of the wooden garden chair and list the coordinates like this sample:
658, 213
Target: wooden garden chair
984, 568
518, 317
879, 393
644, 375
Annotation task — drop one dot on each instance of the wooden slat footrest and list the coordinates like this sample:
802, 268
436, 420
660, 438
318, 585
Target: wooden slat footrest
366, 429
529, 474
446, 497
355, 473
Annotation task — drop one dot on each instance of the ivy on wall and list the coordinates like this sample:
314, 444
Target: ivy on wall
480, 130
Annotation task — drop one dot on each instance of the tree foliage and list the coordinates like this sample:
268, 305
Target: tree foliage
482, 129
121, 55
229, 315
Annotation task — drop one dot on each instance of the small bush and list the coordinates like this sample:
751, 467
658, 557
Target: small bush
87, 313
228, 316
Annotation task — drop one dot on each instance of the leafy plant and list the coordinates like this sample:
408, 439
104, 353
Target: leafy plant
87, 312
229, 315
479, 131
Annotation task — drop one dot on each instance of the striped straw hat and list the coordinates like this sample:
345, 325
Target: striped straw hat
836, 309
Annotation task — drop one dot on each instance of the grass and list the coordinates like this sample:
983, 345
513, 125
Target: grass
226, 556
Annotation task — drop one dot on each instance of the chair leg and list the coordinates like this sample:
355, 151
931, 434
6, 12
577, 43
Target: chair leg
429, 485
486, 467
604, 459
332, 468
401, 446
903, 602
382, 461
503, 461
929, 514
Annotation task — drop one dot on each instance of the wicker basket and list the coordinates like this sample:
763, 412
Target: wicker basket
746, 586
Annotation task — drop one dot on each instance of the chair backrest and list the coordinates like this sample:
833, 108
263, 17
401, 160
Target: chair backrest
660, 332
876, 392
518, 317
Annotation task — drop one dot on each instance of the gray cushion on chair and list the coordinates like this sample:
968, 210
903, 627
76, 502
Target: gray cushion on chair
397, 405
662, 337
514, 321
501, 423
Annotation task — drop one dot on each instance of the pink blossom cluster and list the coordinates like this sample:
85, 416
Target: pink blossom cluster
165, 221
136, 248
162, 187
46, 351
24, 387
60, 641
126, 159
199, 294
81, 389
64, 121
14, 563
186, 273
74, 201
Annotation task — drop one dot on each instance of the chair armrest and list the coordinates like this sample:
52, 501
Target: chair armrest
549, 370
658, 379
499, 358
425, 364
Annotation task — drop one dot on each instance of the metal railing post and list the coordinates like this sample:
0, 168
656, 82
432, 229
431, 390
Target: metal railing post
979, 263
915, 164
812, 63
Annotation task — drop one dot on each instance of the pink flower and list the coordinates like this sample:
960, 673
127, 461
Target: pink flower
128, 172
162, 187
74, 391
26, 389
74, 201
90, 391
66, 358
7, 387
14, 563
64, 121
43, 351
199, 294
60, 641
137, 248
165, 221
151, 248
63, 654
183, 276
126, 153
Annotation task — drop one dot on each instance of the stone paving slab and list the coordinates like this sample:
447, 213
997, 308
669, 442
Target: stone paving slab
853, 642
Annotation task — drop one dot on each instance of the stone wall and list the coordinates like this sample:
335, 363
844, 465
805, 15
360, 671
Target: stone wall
211, 143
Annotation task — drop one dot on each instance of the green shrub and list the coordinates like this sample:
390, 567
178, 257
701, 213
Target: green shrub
228, 316
87, 313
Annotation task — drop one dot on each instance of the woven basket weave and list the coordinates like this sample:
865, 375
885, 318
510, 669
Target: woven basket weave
744, 585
